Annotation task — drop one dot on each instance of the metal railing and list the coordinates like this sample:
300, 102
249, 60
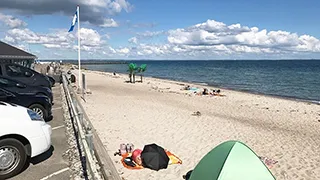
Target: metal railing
97, 160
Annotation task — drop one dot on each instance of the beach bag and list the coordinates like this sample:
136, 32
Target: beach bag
126, 148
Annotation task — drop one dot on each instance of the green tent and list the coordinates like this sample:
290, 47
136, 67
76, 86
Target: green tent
231, 160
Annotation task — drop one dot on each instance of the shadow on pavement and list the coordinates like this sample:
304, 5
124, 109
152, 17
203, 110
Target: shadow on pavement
38, 159
42, 157
49, 119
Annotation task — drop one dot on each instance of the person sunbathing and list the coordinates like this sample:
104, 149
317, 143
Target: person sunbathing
205, 91
186, 88
136, 156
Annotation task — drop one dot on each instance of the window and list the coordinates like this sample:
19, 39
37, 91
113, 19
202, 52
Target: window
17, 71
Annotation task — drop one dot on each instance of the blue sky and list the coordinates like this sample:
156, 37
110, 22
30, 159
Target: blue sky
166, 29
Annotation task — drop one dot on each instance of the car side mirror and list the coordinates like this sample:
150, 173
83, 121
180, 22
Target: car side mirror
28, 74
20, 85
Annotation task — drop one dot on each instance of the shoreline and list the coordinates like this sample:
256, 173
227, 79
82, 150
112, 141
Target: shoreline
210, 86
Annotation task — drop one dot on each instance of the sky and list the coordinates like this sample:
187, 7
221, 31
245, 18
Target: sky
164, 29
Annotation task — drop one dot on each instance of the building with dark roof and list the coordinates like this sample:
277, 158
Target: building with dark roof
11, 54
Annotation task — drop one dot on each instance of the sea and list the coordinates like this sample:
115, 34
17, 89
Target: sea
297, 79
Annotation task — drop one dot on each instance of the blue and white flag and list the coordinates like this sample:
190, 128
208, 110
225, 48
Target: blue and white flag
74, 21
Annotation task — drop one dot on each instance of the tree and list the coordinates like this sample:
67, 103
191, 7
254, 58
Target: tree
142, 69
132, 72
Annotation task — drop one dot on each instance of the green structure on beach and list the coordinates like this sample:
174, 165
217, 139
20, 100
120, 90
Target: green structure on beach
231, 160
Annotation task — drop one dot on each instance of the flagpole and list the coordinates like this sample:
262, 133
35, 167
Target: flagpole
79, 64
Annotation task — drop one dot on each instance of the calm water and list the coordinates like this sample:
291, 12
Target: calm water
287, 78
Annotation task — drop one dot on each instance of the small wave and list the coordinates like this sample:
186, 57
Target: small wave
316, 102
202, 83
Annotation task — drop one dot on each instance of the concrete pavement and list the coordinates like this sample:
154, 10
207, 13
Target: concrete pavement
51, 165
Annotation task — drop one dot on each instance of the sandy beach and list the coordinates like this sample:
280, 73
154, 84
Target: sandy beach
158, 111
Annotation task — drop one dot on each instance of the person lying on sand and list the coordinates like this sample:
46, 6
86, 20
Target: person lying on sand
213, 92
136, 156
186, 87
153, 157
217, 93
205, 91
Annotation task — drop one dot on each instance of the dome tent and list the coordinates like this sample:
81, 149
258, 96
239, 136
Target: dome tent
231, 160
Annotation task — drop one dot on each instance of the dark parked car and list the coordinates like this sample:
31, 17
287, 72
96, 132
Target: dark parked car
24, 74
38, 103
22, 88
52, 80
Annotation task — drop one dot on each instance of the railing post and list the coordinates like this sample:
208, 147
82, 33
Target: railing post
80, 114
84, 88
89, 138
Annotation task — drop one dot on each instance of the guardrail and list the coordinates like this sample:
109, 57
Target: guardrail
96, 157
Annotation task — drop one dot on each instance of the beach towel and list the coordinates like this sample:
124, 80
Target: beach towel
173, 160
218, 94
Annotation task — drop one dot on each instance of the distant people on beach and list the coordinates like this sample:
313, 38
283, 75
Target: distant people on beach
212, 92
217, 93
48, 69
115, 75
187, 87
205, 91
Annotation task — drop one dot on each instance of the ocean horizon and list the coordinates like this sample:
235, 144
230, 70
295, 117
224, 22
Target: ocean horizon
297, 79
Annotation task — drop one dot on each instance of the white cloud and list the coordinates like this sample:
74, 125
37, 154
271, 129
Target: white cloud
90, 37
109, 23
52, 45
9, 39
133, 40
59, 39
107, 36
118, 5
150, 33
11, 21
220, 27
208, 40
236, 38
23, 47
112, 50
123, 50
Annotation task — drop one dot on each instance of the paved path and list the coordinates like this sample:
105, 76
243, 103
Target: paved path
51, 164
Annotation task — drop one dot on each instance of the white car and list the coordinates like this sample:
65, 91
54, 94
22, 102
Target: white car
23, 133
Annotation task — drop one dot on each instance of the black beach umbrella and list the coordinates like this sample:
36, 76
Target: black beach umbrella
154, 157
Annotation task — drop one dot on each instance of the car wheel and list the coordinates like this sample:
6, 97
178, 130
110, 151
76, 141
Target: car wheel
40, 110
12, 157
